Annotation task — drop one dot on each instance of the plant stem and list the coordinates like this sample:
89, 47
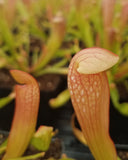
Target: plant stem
54, 70
29, 157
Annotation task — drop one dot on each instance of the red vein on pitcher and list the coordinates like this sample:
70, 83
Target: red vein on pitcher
89, 89
25, 117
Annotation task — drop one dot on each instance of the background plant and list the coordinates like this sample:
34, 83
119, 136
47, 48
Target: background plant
40, 38
89, 91
24, 121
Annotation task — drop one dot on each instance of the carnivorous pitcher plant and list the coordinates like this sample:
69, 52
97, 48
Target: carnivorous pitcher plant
89, 89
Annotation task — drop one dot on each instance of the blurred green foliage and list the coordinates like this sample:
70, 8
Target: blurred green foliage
41, 37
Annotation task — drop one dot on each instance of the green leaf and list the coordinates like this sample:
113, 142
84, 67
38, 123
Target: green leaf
121, 107
60, 100
67, 159
3, 146
118, 158
42, 138
6, 100
29, 157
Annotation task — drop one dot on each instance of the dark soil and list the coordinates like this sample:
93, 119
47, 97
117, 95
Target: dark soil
123, 154
46, 82
51, 86
55, 149
123, 92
